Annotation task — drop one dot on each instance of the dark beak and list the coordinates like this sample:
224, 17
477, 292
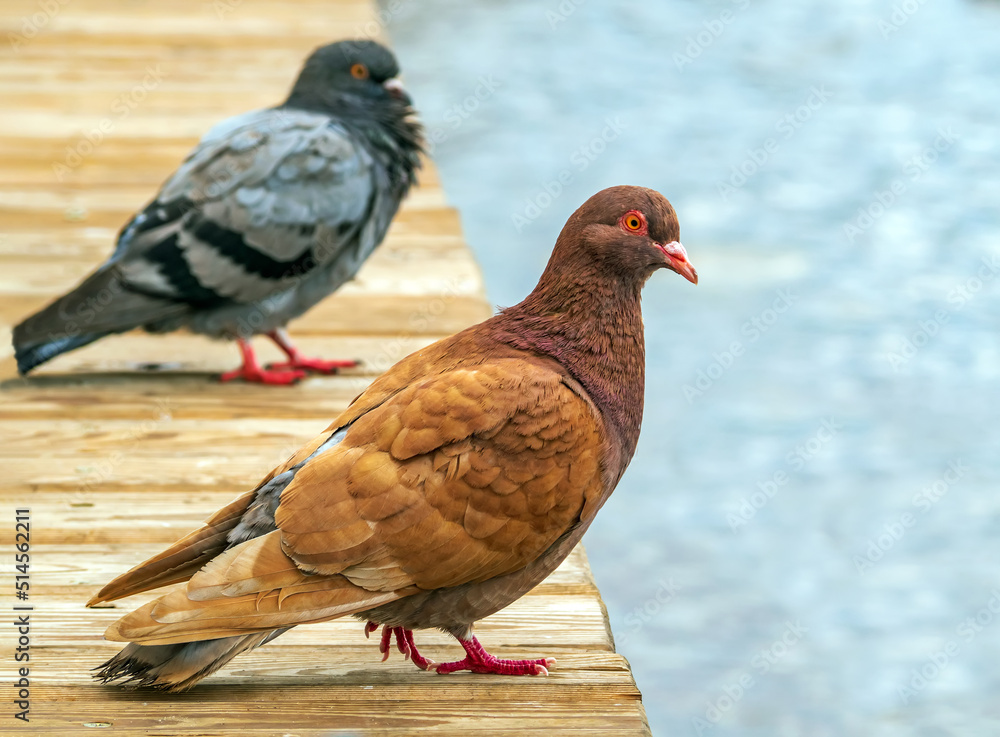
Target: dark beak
677, 260
395, 88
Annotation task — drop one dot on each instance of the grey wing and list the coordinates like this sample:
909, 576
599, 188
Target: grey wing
264, 199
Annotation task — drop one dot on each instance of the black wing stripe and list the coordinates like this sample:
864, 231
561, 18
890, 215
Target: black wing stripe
168, 257
230, 244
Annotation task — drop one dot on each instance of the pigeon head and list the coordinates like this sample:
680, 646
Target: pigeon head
628, 231
359, 70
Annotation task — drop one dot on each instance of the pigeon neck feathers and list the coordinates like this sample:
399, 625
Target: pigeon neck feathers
387, 126
590, 322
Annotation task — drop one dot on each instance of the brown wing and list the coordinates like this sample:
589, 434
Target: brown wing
455, 479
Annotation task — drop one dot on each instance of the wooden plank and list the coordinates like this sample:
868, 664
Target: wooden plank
127, 444
500, 710
136, 396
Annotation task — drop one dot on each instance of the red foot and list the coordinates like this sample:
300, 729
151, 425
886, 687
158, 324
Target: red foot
252, 372
479, 661
317, 365
263, 376
297, 361
404, 641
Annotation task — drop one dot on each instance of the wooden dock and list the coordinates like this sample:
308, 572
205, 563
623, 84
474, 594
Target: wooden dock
122, 447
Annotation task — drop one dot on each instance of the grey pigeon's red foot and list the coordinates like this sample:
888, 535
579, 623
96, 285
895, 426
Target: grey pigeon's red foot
479, 661
297, 361
404, 641
252, 372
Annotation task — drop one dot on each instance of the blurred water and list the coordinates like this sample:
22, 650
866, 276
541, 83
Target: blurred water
702, 571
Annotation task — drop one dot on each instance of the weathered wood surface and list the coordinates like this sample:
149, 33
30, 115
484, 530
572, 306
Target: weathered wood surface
125, 445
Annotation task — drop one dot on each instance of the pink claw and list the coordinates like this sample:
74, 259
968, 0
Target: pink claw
404, 642
384, 644
478, 660
418, 660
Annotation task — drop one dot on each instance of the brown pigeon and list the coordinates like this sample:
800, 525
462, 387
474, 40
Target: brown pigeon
270, 213
457, 482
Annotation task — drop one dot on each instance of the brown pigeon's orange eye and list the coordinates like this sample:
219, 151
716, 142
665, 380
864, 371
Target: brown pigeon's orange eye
359, 71
633, 222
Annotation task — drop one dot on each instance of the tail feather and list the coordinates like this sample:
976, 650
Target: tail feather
236, 594
176, 667
101, 305
239, 595
182, 641
29, 356
182, 559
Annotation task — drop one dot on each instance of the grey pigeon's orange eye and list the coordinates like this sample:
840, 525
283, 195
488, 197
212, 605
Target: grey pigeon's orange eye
359, 71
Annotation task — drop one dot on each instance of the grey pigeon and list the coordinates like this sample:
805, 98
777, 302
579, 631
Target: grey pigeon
269, 214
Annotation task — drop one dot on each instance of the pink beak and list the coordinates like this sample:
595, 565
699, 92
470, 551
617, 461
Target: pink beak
677, 260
